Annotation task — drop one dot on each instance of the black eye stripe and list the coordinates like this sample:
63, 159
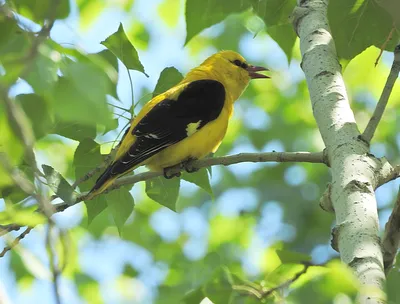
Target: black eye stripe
238, 63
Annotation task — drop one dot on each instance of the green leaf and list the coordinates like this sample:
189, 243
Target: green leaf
168, 78
40, 10
37, 110
290, 257
94, 207
199, 178
10, 147
42, 74
24, 217
88, 288
140, 232
87, 157
82, 97
283, 273
107, 61
59, 185
73, 130
358, 24
219, 289
274, 12
14, 45
164, 191
18, 267
194, 296
119, 44
393, 290
285, 36
121, 203
200, 15
129, 271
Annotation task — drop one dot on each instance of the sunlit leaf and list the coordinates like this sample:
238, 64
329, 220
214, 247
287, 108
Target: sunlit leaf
168, 78
285, 36
290, 257
87, 157
14, 45
274, 12
199, 178
119, 44
107, 61
42, 74
163, 191
25, 217
219, 289
120, 203
41, 10
169, 11
82, 93
73, 130
88, 288
200, 15
18, 267
11, 149
358, 24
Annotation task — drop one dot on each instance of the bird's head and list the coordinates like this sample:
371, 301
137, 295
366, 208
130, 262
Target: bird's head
233, 71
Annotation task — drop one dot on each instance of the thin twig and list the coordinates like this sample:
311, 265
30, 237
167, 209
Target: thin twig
16, 241
383, 46
285, 284
53, 262
317, 157
391, 238
383, 100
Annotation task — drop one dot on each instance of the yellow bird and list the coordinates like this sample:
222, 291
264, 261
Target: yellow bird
185, 123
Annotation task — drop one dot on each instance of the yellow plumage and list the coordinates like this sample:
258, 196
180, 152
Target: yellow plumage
188, 121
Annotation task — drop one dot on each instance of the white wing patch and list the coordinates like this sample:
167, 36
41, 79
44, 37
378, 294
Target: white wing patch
192, 128
150, 135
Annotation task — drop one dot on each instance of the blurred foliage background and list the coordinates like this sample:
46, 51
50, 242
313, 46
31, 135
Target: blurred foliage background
242, 230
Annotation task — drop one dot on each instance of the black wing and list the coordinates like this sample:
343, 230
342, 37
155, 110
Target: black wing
166, 124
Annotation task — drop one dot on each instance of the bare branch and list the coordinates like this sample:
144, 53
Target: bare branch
51, 252
383, 100
317, 157
288, 282
260, 293
16, 241
391, 238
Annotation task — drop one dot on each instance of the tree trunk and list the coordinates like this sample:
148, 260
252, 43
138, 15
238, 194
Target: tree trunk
354, 170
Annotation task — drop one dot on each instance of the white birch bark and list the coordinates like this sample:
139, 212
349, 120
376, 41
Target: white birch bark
354, 171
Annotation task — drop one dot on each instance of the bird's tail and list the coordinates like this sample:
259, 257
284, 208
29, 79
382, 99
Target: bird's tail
102, 183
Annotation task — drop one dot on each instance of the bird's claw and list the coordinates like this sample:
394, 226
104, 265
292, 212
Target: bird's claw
169, 173
188, 166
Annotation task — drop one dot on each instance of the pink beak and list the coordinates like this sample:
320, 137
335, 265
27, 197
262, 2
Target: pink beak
253, 72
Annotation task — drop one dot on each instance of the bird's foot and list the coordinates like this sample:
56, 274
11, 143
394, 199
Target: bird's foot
188, 165
173, 171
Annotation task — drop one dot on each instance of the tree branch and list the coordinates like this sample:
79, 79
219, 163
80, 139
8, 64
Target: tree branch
383, 100
307, 157
391, 238
353, 168
285, 284
15, 242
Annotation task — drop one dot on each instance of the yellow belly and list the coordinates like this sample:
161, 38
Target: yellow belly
196, 146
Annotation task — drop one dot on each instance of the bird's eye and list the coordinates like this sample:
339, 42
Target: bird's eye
238, 63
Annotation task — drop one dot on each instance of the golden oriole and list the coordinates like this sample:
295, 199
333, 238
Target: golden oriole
187, 122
